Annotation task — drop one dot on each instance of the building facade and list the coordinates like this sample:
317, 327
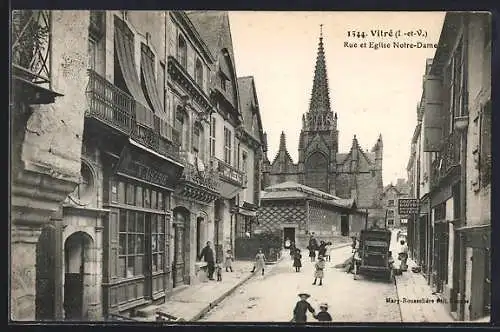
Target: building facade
455, 166
356, 174
296, 211
390, 197
125, 160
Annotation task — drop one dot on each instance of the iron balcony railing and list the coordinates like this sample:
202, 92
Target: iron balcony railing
448, 158
112, 106
229, 173
208, 178
31, 45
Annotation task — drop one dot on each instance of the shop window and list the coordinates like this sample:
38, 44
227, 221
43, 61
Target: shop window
130, 194
154, 203
157, 242
131, 240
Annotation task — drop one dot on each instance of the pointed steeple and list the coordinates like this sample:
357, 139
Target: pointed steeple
320, 98
282, 142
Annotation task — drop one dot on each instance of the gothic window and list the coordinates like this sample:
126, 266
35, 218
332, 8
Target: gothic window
182, 51
316, 169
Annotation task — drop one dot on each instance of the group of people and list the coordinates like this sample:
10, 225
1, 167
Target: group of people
208, 255
302, 307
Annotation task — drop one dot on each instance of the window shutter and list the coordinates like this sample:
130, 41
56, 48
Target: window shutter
432, 117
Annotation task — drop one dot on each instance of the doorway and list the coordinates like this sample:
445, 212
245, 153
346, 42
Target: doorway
45, 274
288, 233
76, 253
344, 225
200, 234
181, 218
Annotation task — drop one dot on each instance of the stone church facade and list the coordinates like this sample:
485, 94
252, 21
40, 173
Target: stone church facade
356, 174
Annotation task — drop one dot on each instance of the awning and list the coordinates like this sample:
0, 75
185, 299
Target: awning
247, 213
31, 93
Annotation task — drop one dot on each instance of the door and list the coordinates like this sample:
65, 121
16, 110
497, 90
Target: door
344, 225
73, 295
45, 274
289, 233
178, 266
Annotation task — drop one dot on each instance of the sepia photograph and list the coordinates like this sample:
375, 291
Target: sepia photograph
250, 167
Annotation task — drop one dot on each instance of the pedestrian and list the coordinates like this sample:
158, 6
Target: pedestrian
260, 262
312, 252
293, 249
297, 263
403, 255
313, 243
323, 315
390, 260
228, 263
301, 308
208, 254
287, 243
354, 241
219, 272
319, 270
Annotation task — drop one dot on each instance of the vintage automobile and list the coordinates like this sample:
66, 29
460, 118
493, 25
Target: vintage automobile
372, 256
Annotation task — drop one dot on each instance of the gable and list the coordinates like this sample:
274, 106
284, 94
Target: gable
317, 144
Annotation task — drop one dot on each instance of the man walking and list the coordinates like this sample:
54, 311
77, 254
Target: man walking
208, 254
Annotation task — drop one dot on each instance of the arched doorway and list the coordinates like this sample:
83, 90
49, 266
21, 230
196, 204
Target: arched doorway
181, 220
45, 274
77, 256
316, 171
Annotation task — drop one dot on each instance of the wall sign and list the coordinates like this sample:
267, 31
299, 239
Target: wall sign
408, 206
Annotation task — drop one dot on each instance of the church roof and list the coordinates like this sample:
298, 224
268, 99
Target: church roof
294, 190
320, 98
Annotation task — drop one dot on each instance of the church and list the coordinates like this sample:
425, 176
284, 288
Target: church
355, 175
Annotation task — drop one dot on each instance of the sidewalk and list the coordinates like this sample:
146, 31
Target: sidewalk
193, 301
413, 286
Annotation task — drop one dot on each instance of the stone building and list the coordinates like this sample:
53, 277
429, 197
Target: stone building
392, 193
251, 154
122, 137
297, 211
455, 159
356, 174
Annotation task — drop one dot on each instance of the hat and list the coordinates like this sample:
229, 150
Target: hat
321, 257
324, 305
304, 294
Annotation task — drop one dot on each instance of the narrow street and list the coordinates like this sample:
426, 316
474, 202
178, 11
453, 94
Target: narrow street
272, 298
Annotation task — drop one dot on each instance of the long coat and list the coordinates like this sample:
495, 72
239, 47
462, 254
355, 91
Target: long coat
319, 269
299, 313
260, 261
296, 260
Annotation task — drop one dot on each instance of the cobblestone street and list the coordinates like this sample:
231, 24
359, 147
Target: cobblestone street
272, 298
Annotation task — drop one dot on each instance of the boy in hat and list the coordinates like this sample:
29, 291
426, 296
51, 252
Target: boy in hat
323, 315
318, 273
301, 308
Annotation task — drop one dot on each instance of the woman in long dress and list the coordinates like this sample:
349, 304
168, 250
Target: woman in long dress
260, 261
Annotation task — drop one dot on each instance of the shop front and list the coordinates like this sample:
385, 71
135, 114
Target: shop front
137, 236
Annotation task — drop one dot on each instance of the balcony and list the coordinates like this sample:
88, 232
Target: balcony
448, 159
232, 179
117, 110
31, 55
201, 185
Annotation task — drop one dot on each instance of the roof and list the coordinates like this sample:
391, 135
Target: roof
249, 105
290, 189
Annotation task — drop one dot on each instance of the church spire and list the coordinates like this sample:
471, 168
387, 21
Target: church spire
320, 99
282, 142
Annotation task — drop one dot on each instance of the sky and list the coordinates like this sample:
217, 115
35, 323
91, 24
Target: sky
373, 91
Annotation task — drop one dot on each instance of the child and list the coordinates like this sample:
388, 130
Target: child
229, 261
297, 264
301, 308
218, 269
318, 273
323, 315
312, 253
260, 262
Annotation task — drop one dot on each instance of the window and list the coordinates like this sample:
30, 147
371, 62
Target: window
198, 73
92, 54
181, 126
485, 145
161, 86
212, 136
244, 162
390, 213
131, 237
157, 242
390, 222
197, 137
96, 34
222, 82
227, 145
390, 202
182, 51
